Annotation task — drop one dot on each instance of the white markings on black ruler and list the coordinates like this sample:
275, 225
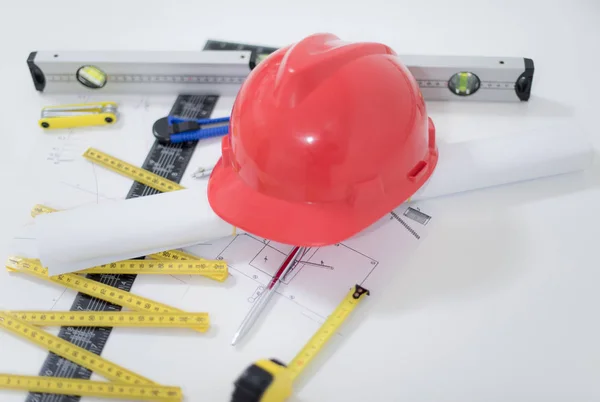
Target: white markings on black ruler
220, 45
168, 161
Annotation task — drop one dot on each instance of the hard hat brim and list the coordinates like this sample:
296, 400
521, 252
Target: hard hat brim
298, 224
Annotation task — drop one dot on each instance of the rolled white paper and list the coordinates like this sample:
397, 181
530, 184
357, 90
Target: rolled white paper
463, 166
84, 237
92, 235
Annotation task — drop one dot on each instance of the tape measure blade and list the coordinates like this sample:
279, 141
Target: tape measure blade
327, 330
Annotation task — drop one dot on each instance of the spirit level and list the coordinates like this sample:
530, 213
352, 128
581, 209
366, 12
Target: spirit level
225, 65
215, 73
498, 79
445, 78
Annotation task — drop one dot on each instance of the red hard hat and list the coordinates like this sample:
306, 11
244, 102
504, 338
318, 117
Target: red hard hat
325, 138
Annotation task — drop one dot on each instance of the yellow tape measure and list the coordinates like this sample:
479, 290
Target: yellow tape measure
67, 386
271, 380
213, 269
112, 319
93, 288
133, 172
327, 330
82, 357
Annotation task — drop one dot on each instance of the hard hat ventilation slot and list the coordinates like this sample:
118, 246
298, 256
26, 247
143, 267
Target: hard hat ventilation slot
417, 171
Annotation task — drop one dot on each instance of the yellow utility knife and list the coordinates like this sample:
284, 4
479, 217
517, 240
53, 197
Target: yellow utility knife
79, 115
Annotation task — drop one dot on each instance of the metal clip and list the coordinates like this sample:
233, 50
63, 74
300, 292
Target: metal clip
202, 172
12, 263
79, 115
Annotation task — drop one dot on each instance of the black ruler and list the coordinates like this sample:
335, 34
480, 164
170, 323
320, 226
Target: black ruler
169, 161
259, 53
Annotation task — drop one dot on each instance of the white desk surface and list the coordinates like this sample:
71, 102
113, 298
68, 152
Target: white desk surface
500, 303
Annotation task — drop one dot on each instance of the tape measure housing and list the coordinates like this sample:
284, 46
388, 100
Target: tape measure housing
271, 380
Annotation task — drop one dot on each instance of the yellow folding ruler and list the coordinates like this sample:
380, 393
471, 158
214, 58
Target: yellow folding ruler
192, 267
214, 269
274, 378
67, 386
148, 313
133, 172
121, 376
173, 255
93, 288
76, 354
112, 319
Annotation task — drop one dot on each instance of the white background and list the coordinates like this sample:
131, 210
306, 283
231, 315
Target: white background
501, 301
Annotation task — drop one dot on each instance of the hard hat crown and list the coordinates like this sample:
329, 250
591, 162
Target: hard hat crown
330, 123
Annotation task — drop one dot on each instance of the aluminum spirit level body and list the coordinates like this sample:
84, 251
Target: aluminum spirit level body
221, 72
496, 79
445, 77
130, 72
